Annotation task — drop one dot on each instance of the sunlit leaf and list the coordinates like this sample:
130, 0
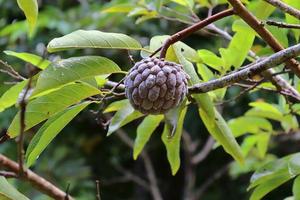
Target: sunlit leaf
296, 188
73, 69
211, 59
10, 97
30, 58
93, 39
46, 106
49, 131
144, 131
30, 9
8, 192
119, 8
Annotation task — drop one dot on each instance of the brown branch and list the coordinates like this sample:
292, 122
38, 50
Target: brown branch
10, 71
249, 72
7, 174
35, 180
200, 156
284, 7
280, 24
186, 32
266, 35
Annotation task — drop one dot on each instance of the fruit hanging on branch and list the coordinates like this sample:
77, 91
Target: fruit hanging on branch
154, 86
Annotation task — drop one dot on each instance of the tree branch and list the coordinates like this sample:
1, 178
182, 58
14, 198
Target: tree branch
191, 29
245, 73
35, 180
284, 7
266, 35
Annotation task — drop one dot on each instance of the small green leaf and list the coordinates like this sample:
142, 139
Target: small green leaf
8, 192
248, 124
120, 8
30, 9
46, 106
122, 117
262, 144
263, 109
173, 144
10, 97
296, 188
49, 131
73, 69
93, 39
211, 59
30, 58
117, 105
144, 131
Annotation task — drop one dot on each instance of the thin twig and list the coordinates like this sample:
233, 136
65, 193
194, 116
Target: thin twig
7, 174
10, 71
284, 7
201, 155
280, 24
186, 32
35, 180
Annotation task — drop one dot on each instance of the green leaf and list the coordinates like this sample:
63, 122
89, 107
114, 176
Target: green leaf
120, 8
248, 143
187, 3
247, 124
49, 131
218, 128
173, 144
296, 188
10, 97
211, 59
262, 144
263, 189
93, 39
266, 110
8, 192
291, 19
144, 131
30, 9
30, 58
204, 72
122, 117
46, 106
116, 105
73, 69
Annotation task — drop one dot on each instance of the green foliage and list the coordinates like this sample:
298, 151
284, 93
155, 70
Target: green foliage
30, 9
8, 192
93, 39
49, 130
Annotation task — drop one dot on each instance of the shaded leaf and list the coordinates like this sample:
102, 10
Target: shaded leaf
49, 130
144, 131
73, 69
122, 117
296, 188
173, 144
45, 106
8, 192
93, 39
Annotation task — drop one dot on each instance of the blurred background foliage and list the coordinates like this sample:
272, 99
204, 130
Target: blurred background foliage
82, 153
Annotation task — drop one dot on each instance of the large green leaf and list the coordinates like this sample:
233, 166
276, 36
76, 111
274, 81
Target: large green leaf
219, 129
172, 144
122, 117
8, 192
10, 97
93, 39
49, 131
265, 110
30, 58
73, 69
144, 131
45, 106
30, 9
